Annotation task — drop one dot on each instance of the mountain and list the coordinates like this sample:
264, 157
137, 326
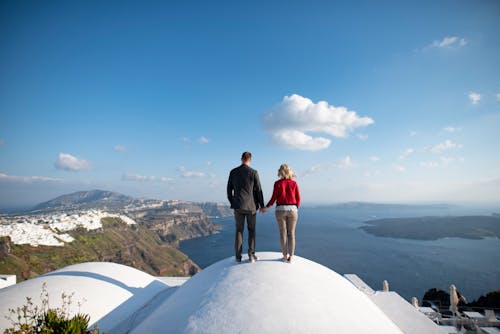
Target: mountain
116, 202
87, 200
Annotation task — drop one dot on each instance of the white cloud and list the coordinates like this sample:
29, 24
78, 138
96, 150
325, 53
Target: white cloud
444, 146
429, 164
346, 163
450, 160
399, 168
342, 163
371, 173
27, 179
120, 148
313, 170
498, 96
203, 140
68, 162
442, 162
449, 42
189, 174
296, 122
452, 129
362, 136
293, 139
474, 97
406, 153
374, 158
144, 178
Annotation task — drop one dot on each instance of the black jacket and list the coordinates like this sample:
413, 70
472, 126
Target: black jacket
243, 189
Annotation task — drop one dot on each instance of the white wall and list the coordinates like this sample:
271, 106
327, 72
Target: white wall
7, 280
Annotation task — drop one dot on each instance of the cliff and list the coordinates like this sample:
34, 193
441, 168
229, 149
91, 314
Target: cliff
132, 245
148, 244
216, 209
172, 227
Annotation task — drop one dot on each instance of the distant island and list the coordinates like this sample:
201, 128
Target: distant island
433, 228
385, 206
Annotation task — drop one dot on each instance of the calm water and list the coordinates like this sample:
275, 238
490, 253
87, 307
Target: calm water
332, 238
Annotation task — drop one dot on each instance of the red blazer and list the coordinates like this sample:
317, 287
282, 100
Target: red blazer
285, 192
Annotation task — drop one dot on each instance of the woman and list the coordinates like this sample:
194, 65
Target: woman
287, 197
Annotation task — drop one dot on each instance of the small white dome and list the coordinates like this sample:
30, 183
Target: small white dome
109, 292
268, 296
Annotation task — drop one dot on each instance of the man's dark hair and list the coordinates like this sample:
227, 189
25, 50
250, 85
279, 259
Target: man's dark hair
246, 156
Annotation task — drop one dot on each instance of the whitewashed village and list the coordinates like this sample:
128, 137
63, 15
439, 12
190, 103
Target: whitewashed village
49, 229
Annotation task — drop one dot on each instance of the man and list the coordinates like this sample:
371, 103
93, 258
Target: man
245, 195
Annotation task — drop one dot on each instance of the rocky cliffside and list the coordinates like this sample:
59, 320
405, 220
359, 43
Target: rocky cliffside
216, 209
173, 227
150, 245
131, 245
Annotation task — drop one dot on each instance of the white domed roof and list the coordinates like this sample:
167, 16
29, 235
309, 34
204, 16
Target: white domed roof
109, 292
268, 296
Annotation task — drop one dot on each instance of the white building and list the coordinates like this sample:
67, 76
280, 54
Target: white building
7, 280
268, 296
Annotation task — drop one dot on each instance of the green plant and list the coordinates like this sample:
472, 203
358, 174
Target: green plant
32, 319
55, 323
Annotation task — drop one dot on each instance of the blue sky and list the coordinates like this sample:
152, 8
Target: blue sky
391, 101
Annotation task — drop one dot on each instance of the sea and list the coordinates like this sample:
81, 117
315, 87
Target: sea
330, 235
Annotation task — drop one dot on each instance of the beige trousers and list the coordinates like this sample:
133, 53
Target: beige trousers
286, 224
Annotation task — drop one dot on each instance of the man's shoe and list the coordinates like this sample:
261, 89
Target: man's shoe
238, 260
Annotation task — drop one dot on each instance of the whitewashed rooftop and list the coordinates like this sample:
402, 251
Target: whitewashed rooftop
268, 296
108, 292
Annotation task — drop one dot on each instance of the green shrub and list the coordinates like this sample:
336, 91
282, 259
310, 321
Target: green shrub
55, 323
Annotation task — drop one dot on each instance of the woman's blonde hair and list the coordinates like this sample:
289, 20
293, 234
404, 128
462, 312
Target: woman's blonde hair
285, 172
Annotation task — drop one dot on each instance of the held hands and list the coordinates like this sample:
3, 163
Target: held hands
263, 209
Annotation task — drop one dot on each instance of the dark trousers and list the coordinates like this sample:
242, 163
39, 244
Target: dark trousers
251, 218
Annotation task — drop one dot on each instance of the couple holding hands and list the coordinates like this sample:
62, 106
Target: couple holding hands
244, 192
